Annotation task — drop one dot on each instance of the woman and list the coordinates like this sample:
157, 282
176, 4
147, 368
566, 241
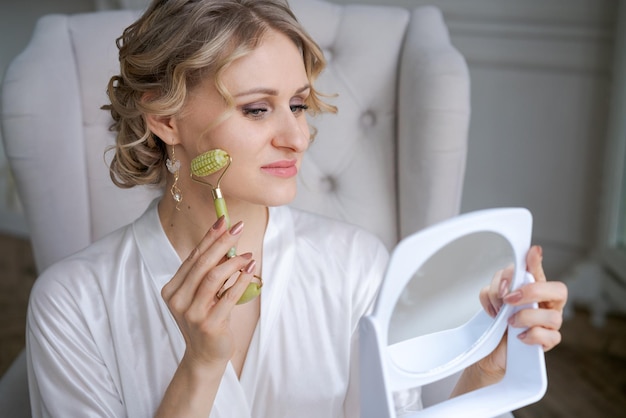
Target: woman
141, 323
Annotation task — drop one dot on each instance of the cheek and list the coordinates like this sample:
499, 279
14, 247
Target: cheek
236, 143
304, 123
306, 130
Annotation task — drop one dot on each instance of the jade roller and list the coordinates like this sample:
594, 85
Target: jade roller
204, 165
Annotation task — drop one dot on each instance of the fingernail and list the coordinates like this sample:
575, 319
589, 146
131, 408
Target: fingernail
498, 308
504, 288
247, 256
522, 335
513, 297
236, 229
491, 311
250, 267
511, 320
192, 253
540, 250
218, 224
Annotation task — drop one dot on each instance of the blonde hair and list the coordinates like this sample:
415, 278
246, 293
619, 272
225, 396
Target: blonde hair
168, 51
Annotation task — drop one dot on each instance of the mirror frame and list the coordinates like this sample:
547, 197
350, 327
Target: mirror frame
382, 374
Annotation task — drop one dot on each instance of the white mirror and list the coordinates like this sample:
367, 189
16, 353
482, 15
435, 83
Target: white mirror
452, 277
428, 323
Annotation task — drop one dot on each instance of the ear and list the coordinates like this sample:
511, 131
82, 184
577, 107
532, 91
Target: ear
164, 127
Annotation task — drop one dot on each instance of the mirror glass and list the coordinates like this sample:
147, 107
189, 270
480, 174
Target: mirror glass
444, 292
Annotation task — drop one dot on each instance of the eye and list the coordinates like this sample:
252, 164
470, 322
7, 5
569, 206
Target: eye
299, 108
254, 111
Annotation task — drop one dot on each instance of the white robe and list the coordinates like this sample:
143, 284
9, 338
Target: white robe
101, 341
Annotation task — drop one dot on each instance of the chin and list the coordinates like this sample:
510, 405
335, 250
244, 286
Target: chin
280, 198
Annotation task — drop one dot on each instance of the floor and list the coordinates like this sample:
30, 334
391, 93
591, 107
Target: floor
17, 274
586, 372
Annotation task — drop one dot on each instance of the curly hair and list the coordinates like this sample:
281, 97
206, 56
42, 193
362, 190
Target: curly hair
172, 47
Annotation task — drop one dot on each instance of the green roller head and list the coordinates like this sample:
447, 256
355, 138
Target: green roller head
252, 291
209, 162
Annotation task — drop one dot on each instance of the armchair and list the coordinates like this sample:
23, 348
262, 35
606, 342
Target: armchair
392, 160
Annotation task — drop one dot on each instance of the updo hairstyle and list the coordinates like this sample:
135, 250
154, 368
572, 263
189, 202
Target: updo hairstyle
168, 51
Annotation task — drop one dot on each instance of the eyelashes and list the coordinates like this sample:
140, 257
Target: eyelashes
253, 111
299, 108
257, 111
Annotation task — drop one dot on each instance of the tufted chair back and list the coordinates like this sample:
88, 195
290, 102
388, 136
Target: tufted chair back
392, 160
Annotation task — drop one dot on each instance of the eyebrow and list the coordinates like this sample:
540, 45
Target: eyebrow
269, 92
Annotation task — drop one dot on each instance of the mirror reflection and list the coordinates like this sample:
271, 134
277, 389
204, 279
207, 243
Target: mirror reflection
443, 292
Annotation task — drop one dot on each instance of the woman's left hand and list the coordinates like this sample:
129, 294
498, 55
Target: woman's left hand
543, 324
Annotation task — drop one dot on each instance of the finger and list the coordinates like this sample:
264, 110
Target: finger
534, 265
231, 296
552, 295
217, 250
486, 303
545, 318
205, 297
547, 338
209, 238
491, 296
203, 263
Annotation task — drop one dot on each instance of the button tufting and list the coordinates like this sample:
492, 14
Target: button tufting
327, 184
368, 119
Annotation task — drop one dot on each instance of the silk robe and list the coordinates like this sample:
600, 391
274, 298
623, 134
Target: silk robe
101, 342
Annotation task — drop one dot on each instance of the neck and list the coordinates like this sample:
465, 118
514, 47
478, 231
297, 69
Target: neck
186, 225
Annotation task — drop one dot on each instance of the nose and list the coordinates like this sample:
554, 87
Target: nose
292, 132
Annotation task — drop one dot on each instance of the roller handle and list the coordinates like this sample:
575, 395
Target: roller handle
220, 210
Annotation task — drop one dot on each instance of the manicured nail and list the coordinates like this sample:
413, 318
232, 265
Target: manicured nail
218, 224
250, 267
513, 297
491, 311
247, 256
236, 229
522, 335
511, 320
504, 288
192, 253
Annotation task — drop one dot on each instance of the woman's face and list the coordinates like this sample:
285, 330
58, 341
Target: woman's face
267, 133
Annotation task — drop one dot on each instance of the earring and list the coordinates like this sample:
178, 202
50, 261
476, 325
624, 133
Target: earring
173, 166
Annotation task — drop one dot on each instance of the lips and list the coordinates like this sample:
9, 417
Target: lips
284, 168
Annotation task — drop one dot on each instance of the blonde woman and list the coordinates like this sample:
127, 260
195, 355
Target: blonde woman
141, 323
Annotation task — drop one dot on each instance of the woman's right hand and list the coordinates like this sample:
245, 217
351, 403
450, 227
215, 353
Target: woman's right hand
192, 295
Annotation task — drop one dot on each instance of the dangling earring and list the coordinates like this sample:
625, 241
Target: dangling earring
173, 166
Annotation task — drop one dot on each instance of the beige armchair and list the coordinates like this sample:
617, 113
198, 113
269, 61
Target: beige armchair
392, 160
